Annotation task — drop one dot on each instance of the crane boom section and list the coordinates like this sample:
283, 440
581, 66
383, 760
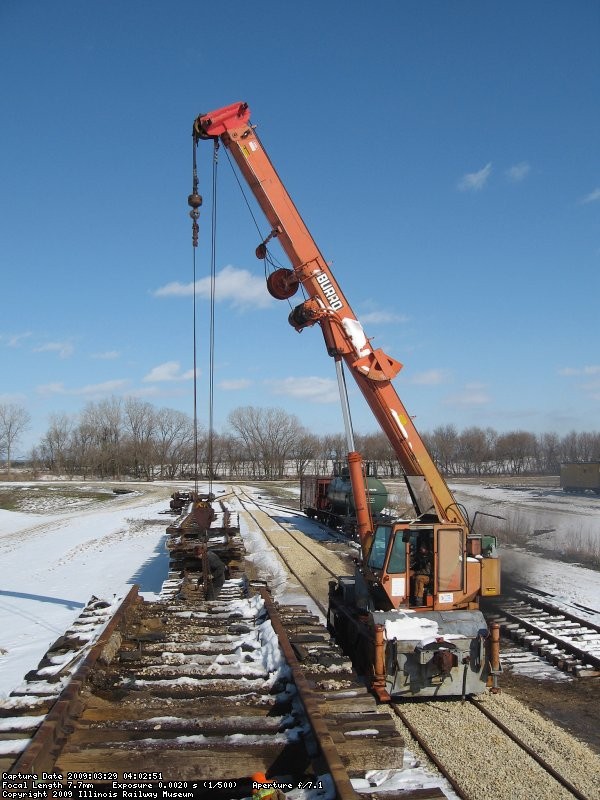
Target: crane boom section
372, 369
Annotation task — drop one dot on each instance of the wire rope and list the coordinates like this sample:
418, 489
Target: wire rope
195, 390
213, 284
241, 188
269, 258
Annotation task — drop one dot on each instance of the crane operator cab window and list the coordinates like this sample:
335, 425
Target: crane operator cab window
379, 547
388, 558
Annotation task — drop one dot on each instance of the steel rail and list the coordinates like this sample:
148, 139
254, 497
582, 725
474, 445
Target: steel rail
336, 536
563, 644
343, 786
41, 753
292, 534
566, 784
288, 564
552, 608
431, 755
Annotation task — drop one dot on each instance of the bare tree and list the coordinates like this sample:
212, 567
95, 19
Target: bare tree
304, 450
14, 421
105, 419
548, 453
55, 445
269, 436
332, 447
139, 419
515, 451
174, 437
443, 445
83, 446
233, 454
475, 447
376, 447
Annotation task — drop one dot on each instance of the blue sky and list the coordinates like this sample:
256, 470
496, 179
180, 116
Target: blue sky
444, 156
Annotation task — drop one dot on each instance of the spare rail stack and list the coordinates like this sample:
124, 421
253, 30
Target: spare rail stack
204, 543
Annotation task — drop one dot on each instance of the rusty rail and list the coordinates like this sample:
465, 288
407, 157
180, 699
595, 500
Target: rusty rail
343, 787
40, 754
538, 759
423, 744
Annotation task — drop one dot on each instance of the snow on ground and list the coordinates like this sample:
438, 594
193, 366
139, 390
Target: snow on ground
53, 563
554, 519
552, 523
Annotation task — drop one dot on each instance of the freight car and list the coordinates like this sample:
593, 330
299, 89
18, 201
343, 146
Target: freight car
329, 498
579, 476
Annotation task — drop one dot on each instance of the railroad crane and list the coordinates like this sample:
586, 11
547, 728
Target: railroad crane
406, 645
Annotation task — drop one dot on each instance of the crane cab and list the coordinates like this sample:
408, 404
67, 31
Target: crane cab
436, 566
407, 648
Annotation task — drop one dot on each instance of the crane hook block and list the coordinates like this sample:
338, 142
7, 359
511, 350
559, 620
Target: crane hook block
194, 200
282, 284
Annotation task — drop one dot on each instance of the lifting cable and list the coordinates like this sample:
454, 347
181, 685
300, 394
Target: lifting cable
213, 282
195, 201
268, 257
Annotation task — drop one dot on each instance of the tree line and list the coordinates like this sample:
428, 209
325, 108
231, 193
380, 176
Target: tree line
130, 438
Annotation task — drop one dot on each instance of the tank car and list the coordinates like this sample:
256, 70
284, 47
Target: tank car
330, 500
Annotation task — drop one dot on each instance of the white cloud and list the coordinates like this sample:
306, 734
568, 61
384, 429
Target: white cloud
234, 384
474, 394
16, 397
431, 377
144, 391
312, 389
107, 356
107, 387
51, 388
169, 371
382, 318
592, 371
518, 172
589, 370
64, 349
238, 286
100, 389
14, 339
475, 181
592, 197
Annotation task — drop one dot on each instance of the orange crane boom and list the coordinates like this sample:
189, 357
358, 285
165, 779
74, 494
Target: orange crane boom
372, 369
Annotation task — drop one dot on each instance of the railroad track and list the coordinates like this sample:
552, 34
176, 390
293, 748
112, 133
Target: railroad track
568, 640
328, 534
531, 763
316, 582
186, 690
